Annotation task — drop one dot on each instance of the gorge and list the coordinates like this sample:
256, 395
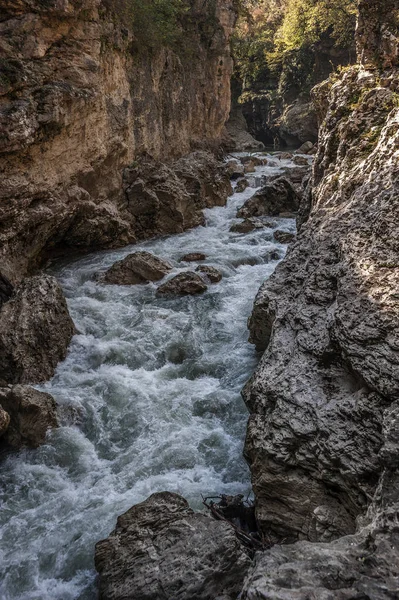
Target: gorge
125, 399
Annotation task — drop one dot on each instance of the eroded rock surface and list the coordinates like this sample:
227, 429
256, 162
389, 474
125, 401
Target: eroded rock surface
329, 321
162, 550
31, 414
210, 273
323, 435
35, 331
184, 284
80, 104
274, 198
137, 268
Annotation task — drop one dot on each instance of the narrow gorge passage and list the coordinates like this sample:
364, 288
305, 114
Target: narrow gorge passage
149, 400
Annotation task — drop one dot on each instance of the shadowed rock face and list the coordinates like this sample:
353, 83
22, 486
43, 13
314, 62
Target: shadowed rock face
162, 550
79, 105
274, 198
35, 331
328, 320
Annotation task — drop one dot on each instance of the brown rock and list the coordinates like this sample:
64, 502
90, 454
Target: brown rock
163, 549
275, 197
35, 331
137, 268
250, 167
31, 414
283, 237
241, 186
247, 226
193, 257
66, 76
235, 169
300, 161
306, 148
184, 284
210, 273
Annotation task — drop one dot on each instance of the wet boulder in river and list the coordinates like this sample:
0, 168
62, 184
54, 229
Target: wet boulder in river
35, 331
275, 197
193, 257
284, 237
241, 186
210, 273
137, 268
161, 548
31, 413
184, 284
235, 169
246, 226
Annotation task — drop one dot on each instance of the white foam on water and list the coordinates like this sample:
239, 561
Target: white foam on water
149, 399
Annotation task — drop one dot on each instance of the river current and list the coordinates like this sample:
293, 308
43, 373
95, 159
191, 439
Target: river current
149, 400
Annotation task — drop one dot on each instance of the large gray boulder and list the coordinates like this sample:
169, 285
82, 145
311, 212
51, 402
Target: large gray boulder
30, 414
275, 197
163, 550
35, 331
137, 268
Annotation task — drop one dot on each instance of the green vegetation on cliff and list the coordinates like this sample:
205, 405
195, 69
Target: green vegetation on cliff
153, 22
277, 38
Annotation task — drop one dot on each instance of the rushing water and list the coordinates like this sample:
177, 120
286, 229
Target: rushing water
149, 400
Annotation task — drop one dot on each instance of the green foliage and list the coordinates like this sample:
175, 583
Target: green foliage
153, 22
275, 41
306, 21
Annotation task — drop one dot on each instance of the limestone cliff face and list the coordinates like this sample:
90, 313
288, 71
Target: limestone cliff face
79, 102
324, 400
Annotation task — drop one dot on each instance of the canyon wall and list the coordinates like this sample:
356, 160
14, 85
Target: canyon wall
81, 100
322, 439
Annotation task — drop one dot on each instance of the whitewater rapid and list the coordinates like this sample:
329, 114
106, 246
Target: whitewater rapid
149, 400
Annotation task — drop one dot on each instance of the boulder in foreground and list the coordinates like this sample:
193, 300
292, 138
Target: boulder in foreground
137, 268
184, 284
162, 550
35, 331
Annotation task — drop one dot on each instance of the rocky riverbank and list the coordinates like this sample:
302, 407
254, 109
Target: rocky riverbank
323, 439
89, 119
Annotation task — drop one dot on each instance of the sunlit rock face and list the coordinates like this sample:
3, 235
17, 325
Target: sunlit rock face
324, 399
80, 102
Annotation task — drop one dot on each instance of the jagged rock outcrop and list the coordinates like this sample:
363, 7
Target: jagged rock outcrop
137, 268
35, 331
325, 391
163, 550
31, 413
364, 565
274, 198
80, 103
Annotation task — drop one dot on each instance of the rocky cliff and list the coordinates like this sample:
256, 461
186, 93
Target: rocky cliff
322, 439
81, 100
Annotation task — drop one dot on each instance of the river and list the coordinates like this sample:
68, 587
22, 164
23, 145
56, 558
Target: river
149, 400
